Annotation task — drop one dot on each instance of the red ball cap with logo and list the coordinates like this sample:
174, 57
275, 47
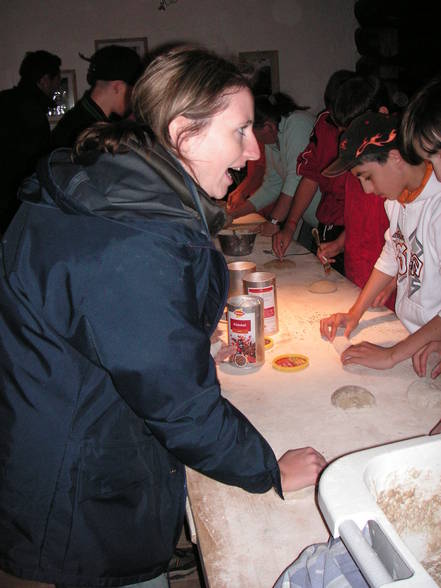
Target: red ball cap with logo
367, 134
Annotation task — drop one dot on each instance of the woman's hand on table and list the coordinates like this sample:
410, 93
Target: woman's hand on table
300, 468
282, 240
219, 350
369, 355
329, 325
419, 360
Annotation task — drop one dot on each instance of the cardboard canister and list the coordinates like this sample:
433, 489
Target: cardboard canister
237, 271
245, 331
263, 284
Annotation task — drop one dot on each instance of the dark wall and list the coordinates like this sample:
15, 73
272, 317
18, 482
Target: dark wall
399, 40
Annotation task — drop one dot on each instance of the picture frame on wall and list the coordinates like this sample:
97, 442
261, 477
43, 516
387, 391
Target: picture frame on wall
138, 44
263, 69
65, 97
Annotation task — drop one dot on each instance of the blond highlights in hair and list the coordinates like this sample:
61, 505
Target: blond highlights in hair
184, 81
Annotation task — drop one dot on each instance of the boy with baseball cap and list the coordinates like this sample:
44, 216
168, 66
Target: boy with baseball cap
412, 251
113, 70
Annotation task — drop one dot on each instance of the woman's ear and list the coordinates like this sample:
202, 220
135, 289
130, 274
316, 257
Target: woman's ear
176, 127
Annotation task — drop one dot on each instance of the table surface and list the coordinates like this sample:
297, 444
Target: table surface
248, 539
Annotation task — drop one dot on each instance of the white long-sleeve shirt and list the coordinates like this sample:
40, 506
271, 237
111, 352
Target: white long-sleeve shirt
412, 250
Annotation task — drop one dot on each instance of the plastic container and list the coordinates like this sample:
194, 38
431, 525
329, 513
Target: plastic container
351, 490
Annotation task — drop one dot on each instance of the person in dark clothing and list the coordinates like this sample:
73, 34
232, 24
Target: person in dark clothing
24, 131
112, 72
111, 289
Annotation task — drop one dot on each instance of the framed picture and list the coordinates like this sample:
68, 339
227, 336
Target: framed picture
65, 97
138, 44
263, 70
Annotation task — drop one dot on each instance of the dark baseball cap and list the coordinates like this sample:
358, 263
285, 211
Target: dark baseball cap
369, 133
114, 62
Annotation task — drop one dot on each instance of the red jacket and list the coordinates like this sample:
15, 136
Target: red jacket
365, 223
322, 150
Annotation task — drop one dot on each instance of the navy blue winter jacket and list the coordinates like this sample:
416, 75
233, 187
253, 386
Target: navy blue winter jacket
109, 290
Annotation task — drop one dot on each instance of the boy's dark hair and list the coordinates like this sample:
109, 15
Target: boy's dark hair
114, 62
338, 78
272, 108
356, 96
421, 124
380, 157
36, 64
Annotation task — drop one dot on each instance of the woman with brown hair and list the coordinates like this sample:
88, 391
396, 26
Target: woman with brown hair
110, 291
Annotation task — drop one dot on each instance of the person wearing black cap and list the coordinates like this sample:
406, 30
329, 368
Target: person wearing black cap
412, 250
113, 70
24, 129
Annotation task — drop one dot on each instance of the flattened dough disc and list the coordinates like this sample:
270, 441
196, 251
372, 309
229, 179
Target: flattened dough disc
280, 265
322, 287
352, 397
425, 393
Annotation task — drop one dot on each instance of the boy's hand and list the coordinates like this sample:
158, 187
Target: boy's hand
300, 468
281, 241
329, 325
419, 360
328, 251
370, 355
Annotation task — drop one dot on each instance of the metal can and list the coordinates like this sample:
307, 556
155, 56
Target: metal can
263, 284
245, 331
237, 270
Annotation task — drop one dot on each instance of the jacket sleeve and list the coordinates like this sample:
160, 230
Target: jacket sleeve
148, 329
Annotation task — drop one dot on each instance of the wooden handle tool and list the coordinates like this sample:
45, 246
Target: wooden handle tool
326, 265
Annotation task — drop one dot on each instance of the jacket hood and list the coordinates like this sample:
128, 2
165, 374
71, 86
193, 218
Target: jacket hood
130, 187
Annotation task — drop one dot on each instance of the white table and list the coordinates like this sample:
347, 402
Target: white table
246, 540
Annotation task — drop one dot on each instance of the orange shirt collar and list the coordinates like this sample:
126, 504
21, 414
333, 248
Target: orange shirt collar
406, 197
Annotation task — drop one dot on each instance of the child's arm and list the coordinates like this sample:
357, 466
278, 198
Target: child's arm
328, 326
246, 207
301, 200
382, 358
279, 212
383, 296
328, 251
419, 360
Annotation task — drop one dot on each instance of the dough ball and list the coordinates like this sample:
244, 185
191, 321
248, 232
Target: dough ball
323, 287
425, 393
279, 265
352, 397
